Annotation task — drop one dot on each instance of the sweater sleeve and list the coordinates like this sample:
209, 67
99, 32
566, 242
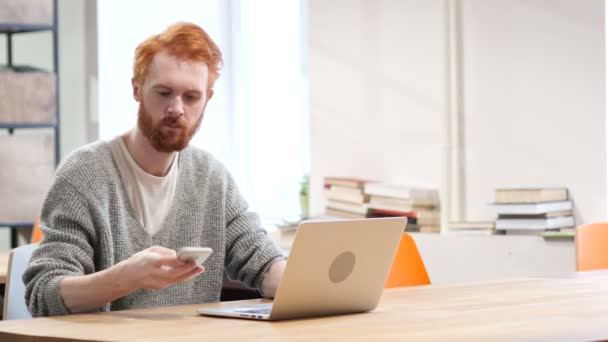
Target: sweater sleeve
250, 251
66, 249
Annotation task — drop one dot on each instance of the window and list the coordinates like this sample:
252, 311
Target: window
256, 122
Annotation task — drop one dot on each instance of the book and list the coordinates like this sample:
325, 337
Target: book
417, 228
402, 191
289, 223
343, 214
337, 193
406, 204
477, 232
377, 212
345, 191
557, 234
530, 195
345, 206
524, 232
400, 208
543, 215
532, 208
284, 239
471, 225
356, 183
288, 231
536, 224
422, 216
386, 207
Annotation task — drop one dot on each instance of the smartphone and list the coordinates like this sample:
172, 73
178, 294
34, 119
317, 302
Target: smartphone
198, 254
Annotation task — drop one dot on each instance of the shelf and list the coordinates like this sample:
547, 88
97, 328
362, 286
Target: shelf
21, 28
4, 125
17, 224
35, 16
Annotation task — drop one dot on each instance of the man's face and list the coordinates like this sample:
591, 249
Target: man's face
172, 100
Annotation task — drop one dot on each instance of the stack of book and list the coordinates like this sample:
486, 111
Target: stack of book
541, 211
285, 232
419, 205
472, 228
345, 198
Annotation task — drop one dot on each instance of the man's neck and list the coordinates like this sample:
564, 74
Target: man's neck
145, 155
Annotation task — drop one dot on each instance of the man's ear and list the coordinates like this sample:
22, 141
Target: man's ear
135, 90
209, 94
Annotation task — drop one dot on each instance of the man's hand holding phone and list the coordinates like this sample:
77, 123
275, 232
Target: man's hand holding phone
159, 267
196, 254
153, 268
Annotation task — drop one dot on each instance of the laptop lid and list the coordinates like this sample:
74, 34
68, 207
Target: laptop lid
337, 267
334, 267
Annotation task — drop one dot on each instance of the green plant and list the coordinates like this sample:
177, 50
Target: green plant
304, 185
304, 196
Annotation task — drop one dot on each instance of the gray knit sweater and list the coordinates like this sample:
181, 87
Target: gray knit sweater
89, 225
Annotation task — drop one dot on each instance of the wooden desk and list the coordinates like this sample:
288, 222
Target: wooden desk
568, 308
3, 266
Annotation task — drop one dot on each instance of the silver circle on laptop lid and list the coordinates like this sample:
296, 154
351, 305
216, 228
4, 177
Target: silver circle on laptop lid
342, 266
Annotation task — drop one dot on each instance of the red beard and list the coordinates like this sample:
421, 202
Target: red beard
170, 135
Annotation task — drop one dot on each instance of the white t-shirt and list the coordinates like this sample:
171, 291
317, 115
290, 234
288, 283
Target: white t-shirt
150, 196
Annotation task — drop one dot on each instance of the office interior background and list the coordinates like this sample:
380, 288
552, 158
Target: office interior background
463, 96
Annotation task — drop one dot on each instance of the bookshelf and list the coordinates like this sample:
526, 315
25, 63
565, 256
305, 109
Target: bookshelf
22, 17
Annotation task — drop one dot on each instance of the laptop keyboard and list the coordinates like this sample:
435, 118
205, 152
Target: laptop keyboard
255, 309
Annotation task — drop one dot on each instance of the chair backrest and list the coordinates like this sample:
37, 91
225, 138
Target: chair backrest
592, 246
36, 231
408, 268
14, 293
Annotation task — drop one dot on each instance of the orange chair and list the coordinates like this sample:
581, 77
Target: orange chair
408, 268
36, 232
592, 246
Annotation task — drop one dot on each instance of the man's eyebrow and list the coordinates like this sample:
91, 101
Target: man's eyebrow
166, 87
194, 91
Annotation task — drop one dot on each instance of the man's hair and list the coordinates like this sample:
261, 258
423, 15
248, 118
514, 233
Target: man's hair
182, 40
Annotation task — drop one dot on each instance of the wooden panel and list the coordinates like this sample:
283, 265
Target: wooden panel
26, 171
28, 12
27, 97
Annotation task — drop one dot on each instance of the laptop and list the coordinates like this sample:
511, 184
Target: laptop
334, 267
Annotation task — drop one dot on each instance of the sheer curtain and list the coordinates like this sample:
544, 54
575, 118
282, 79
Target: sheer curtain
257, 122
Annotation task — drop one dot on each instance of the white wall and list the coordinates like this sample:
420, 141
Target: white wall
376, 73
533, 100
534, 95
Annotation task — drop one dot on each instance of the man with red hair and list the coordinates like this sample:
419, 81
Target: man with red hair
118, 209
